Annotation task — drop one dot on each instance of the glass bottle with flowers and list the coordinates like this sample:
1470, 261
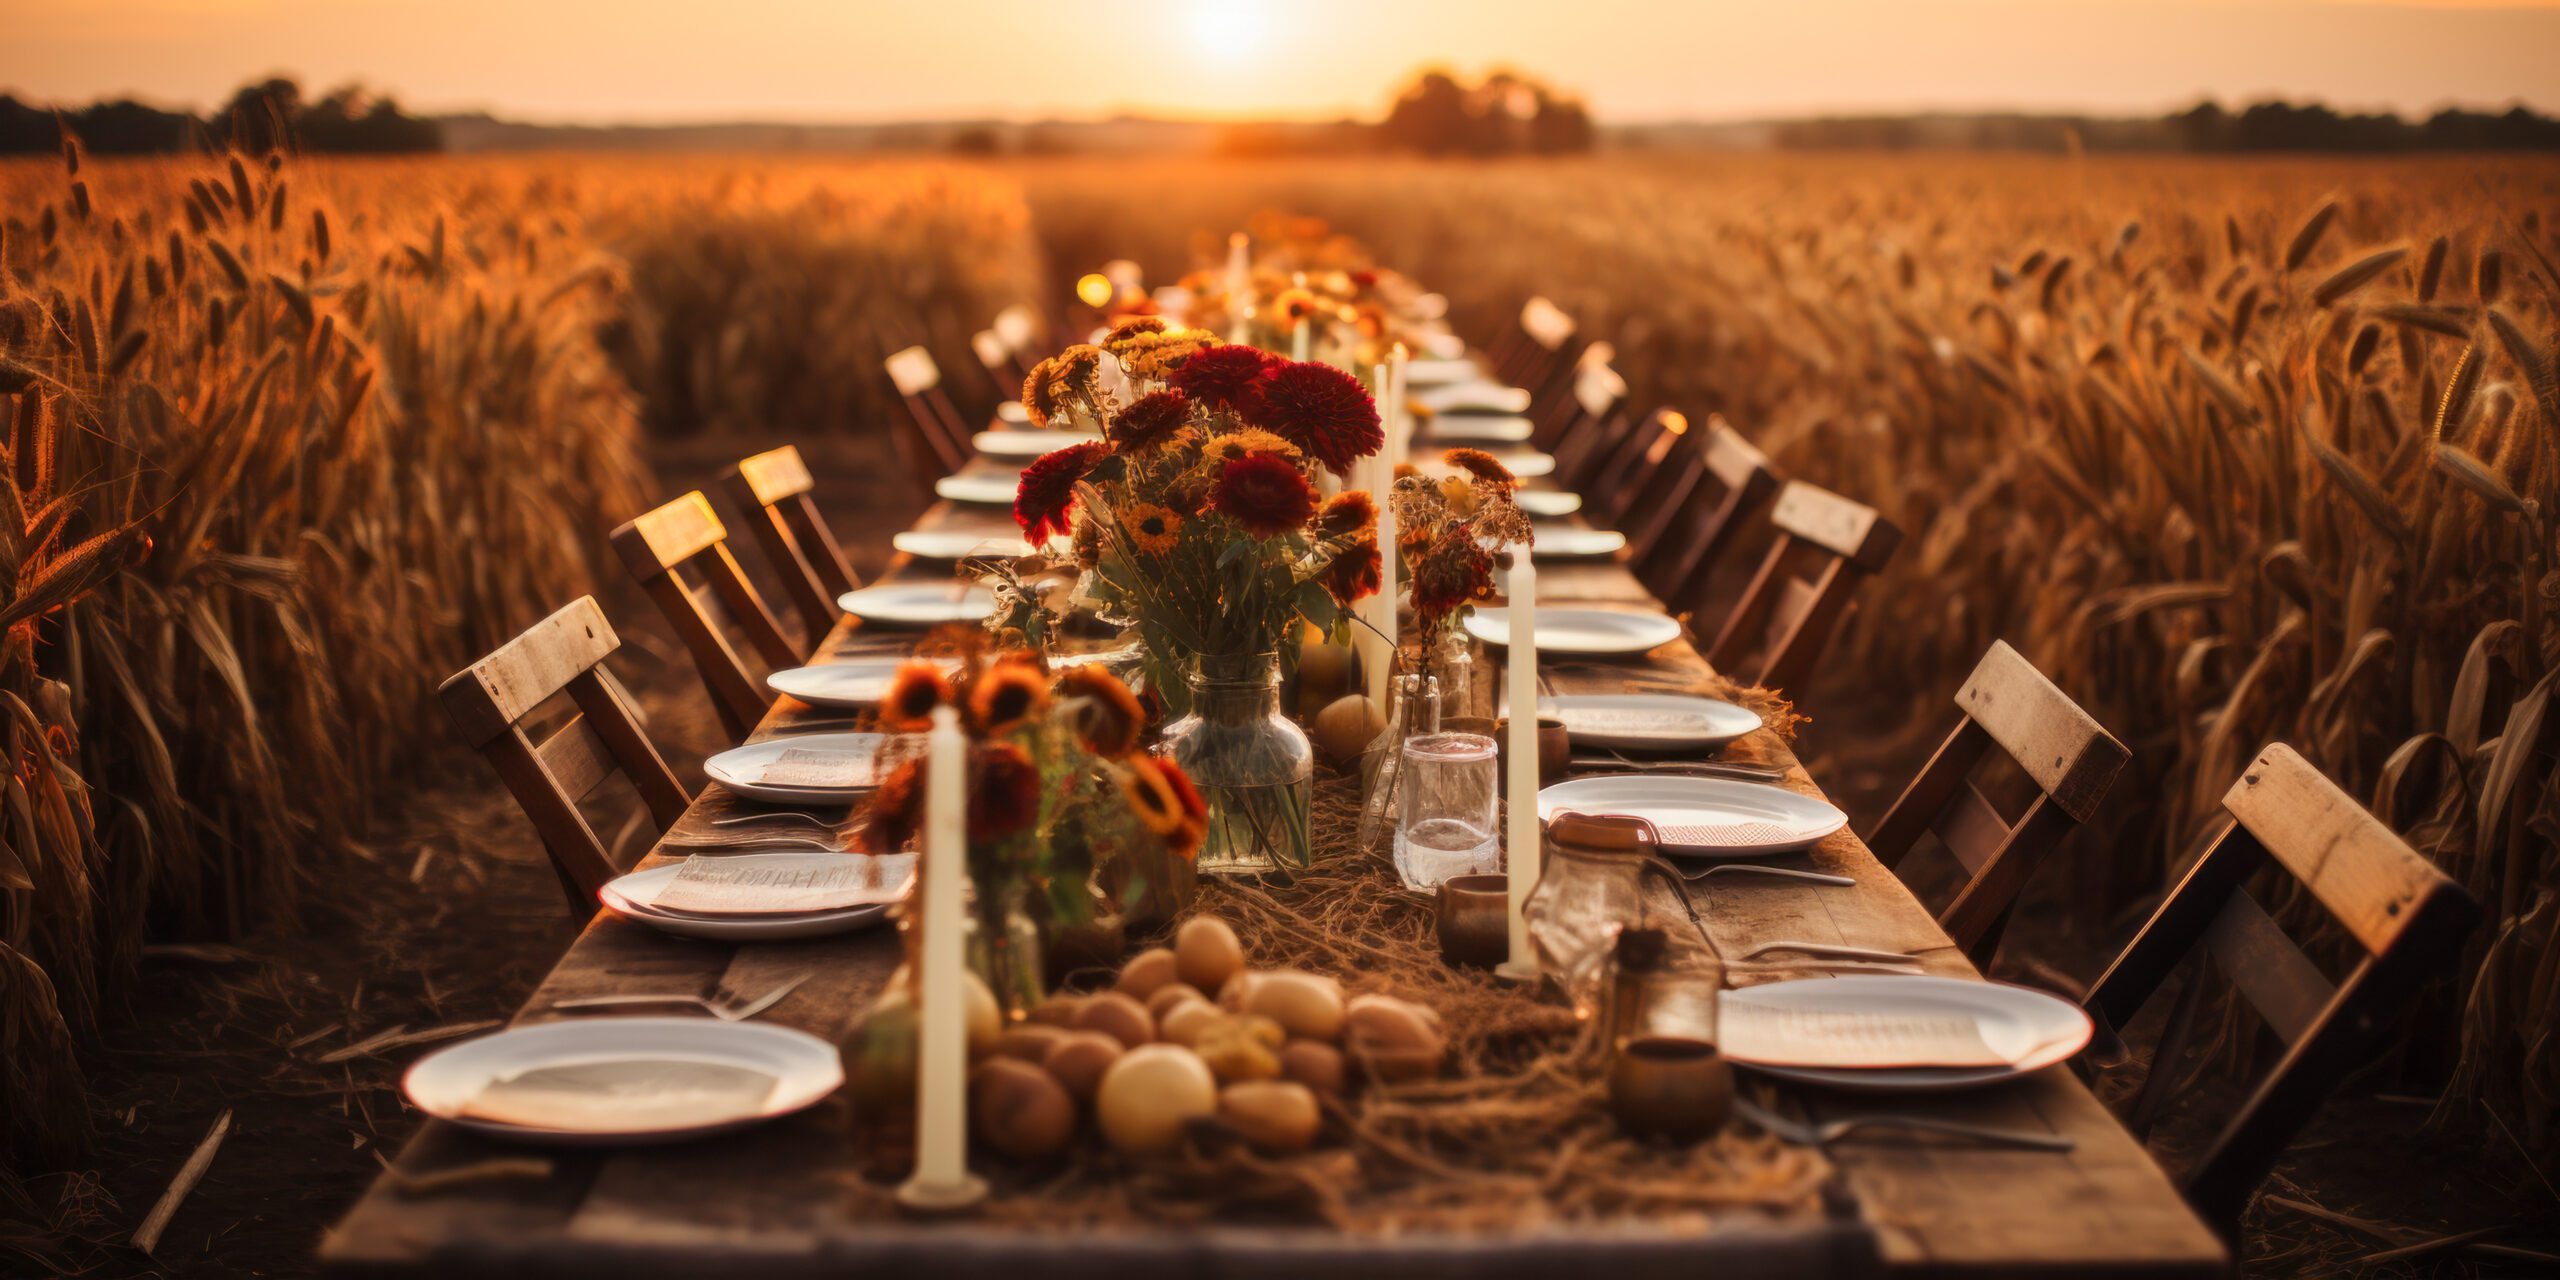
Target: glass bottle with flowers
1066, 817
1449, 528
1196, 523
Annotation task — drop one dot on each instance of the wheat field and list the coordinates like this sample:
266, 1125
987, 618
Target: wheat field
2233, 451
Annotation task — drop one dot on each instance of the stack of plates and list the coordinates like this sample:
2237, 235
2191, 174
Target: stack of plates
1899, 1034
1590, 631
775, 770
978, 488
918, 604
635, 896
1717, 819
624, 1081
1027, 444
1649, 721
960, 544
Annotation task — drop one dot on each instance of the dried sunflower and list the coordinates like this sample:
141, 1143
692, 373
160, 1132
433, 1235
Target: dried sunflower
1106, 716
1007, 695
1153, 528
914, 691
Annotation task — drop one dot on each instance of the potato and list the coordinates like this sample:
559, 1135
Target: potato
1346, 727
1206, 952
1184, 1024
1171, 994
1232, 996
1079, 1059
1304, 1004
1324, 672
1313, 1063
1392, 1039
985, 1017
1277, 1116
1150, 1094
1119, 1016
1059, 1010
1019, 1109
880, 1056
1242, 1046
1029, 1041
1145, 972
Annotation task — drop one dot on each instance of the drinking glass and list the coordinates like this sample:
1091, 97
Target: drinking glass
1445, 822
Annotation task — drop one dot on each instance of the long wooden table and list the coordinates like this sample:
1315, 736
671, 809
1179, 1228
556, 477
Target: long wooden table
778, 1201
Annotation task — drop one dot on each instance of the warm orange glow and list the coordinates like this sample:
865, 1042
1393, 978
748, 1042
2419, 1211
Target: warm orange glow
1675, 422
1095, 290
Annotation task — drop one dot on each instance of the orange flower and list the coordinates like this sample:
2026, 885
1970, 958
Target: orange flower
1356, 573
1106, 715
917, 688
1482, 465
1349, 511
1166, 803
1153, 528
1007, 695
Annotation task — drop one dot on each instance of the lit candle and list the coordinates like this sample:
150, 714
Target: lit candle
1239, 279
1399, 426
1520, 669
1298, 341
1383, 491
942, 1179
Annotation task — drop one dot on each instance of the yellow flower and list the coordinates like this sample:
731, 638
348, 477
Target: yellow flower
1245, 443
1007, 695
1153, 528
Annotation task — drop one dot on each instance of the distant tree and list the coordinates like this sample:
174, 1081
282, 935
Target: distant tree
976, 140
1504, 114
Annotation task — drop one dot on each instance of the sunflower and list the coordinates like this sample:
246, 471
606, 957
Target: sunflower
1350, 511
1294, 305
1153, 528
1107, 717
1153, 355
1065, 376
1245, 443
914, 691
1482, 465
1356, 572
1007, 695
896, 809
1264, 494
1165, 802
1322, 410
1228, 377
1006, 799
1043, 503
1150, 421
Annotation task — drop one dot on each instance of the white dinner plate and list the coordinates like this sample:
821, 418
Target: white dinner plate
635, 896
853, 684
1649, 721
741, 769
959, 544
1593, 631
977, 488
1011, 411
1026, 444
1432, 371
1573, 542
1474, 396
1547, 502
1479, 428
2038, 1028
1701, 817
1526, 464
804, 1067
918, 604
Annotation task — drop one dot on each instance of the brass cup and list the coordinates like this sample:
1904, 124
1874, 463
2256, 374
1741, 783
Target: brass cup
1555, 749
1670, 1087
1473, 914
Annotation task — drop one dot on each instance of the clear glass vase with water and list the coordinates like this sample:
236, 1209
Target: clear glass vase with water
1447, 809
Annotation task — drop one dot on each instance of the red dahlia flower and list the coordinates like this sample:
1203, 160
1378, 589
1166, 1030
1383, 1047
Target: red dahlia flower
1149, 421
1322, 410
1227, 377
1264, 493
1045, 502
1355, 574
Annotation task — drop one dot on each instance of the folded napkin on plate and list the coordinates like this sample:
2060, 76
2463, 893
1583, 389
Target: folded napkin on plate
817, 767
623, 1095
784, 883
1797, 1037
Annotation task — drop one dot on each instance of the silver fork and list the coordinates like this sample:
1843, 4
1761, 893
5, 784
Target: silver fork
1831, 949
724, 1002
1755, 869
777, 815
1825, 1133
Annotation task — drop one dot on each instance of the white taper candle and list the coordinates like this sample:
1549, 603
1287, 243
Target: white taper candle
1375, 642
942, 1037
1520, 671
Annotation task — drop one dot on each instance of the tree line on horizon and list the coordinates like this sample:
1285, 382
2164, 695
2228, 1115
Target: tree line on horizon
263, 115
2205, 128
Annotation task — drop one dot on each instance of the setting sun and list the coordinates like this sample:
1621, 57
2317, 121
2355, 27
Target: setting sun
1229, 30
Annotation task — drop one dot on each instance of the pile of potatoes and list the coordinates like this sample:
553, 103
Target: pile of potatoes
1189, 1035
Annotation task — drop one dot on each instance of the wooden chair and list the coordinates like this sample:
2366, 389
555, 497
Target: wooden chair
2071, 758
1018, 326
1589, 436
1826, 546
1732, 482
936, 442
1633, 474
1529, 354
2406, 920
771, 490
671, 550
489, 703
997, 359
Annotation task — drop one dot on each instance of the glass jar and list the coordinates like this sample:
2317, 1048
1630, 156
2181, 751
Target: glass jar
1253, 765
1591, 889
1452, 662
1413, 710
1448, 813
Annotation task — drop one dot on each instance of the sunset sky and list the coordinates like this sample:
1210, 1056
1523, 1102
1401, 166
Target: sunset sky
843, 60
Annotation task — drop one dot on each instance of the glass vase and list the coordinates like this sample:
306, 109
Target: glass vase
1413, 709
1254, 767
1452, 661
1007, 951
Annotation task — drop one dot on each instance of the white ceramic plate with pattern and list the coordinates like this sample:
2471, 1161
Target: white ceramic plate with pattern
978, 488
918, 604
1549, 503
1649, 721
1026, 445
2039, 1029
770, 771
959, 544
1716, 818
633, 895
1587, 631
853, 684
1572, 542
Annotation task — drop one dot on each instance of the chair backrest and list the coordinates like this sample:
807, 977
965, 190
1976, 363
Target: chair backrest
1634, 470
2406, 919
1827, 545
771, 491
1020, 329
997, 358
2070, 757
1528, 354
939, 440
489, 702
679, 550
1585, 439
1733, 481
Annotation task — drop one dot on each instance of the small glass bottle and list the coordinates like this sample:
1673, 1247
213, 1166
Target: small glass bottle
1627, 988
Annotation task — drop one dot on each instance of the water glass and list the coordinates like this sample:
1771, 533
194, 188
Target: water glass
1446, 821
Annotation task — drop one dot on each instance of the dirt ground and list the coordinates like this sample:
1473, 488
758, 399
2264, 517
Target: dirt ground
456, 916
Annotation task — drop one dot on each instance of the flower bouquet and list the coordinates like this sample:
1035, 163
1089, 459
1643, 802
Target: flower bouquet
1066, 816
1197, 523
